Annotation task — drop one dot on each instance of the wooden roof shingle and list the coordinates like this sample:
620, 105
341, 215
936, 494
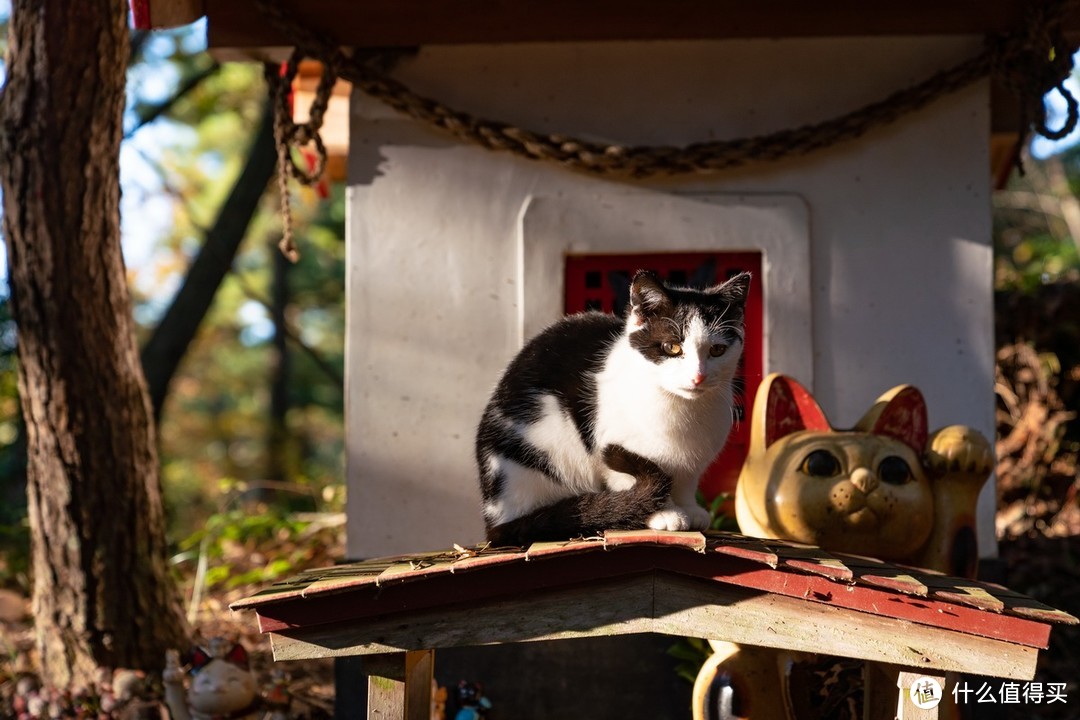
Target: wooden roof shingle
651, 581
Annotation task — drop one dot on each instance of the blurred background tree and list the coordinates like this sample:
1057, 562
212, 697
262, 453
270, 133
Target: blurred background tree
1037, 224
1037, 315
1037, 318
252, 419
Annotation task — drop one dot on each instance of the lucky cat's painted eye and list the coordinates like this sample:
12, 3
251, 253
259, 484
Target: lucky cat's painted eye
894, 470
718, 349
672, 349
821, 463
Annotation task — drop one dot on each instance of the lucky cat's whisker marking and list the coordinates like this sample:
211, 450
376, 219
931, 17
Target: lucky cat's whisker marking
602, 423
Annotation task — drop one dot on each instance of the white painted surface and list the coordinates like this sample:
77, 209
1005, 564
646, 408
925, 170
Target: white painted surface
899, 220
777, 226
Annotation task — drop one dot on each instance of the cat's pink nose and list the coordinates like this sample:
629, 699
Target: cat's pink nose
698, 379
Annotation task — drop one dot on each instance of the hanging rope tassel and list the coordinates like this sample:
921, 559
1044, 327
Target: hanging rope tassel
289, 135
1033, 62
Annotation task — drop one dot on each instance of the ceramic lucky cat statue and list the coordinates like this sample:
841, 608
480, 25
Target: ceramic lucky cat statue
222, 685
886, 488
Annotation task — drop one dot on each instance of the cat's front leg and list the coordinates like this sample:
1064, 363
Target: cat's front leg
682, 511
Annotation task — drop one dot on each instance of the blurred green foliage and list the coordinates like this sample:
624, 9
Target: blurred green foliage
216, 420
691, 652
1036, 224
215, 432
719, 508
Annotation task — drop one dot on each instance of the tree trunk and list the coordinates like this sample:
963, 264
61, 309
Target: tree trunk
102, 592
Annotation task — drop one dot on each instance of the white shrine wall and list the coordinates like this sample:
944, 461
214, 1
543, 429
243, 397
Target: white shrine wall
886, 266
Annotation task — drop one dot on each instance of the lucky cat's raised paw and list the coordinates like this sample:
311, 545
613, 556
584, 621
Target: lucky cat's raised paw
959, 450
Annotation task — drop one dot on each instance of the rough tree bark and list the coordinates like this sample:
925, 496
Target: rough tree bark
102, 592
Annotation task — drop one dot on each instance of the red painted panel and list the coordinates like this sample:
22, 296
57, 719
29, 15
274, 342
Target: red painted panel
593, 282
924, 611
140, 14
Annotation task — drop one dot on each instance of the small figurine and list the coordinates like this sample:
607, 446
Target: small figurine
439, 695
471, 701
222, 685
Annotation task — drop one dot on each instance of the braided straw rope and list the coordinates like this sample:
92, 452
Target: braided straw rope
1031, 62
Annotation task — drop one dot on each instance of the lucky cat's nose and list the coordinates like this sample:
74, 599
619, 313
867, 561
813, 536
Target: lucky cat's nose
864, 480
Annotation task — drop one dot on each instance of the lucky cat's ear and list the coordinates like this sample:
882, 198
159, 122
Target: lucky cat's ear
200, 658
899, 414
238, 656
647, 293
734, 290
783, 406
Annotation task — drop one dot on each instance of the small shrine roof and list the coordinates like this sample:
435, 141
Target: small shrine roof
322, 605
396, 23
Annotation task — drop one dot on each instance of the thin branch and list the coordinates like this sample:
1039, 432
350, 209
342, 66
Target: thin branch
172, 190
1069, 207
1023, 200
320, 362
138, 41
190, 83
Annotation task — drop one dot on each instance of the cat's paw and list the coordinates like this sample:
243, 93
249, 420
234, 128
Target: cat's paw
674, 519
677, 519
699, 518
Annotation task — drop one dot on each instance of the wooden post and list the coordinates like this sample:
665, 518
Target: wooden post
879, 691
905, 708
399, 686
886, 693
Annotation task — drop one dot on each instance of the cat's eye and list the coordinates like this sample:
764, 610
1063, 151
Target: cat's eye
718, 349
821, 463
672, 349
894, 470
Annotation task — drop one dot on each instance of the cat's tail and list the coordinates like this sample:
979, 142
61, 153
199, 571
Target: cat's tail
592, 513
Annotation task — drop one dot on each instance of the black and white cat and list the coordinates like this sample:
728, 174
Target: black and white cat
603, 423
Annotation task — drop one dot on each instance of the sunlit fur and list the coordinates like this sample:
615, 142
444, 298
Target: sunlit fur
593, 381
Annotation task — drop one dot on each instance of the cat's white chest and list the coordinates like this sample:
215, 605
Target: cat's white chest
682, 436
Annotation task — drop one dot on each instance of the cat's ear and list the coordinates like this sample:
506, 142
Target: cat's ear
783, 406
648, 295
899, 414
734, 290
